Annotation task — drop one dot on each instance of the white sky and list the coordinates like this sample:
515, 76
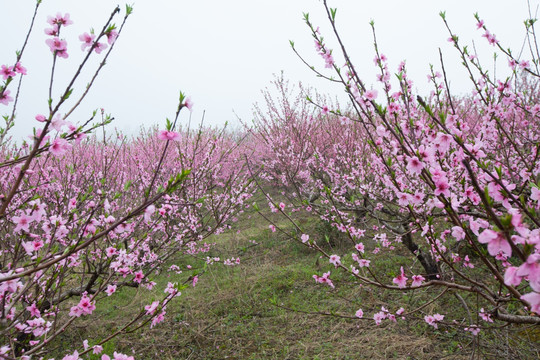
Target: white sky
223, 53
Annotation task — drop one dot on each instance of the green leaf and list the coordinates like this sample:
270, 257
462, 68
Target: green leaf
506, 221
488, 198
333, 13
67, 94
327, 190
182, 97
201, 200
498, 169
442, 116
184, 174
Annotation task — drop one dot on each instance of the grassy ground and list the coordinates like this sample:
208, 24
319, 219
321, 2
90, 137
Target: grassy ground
244, 312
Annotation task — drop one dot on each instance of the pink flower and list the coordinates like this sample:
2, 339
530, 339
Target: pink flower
304, 238
335, 260
433, 319
379, 317
111, 251
496, 242
87, 40
111, 36
329, 60
393, 108
22, 222
55, 44
467, 262
151, 209
414, 165
531, 269
371, 95
138, 277
59, 147
475, 330
52, 31
195, 280
86, 306
99, 47
79, 137
417, 280
364, 263
417, 198
325, 279
533, 298
510, 277
119, 356
168, 135
458, 233
359, 247
34, 310
151, 309
490, 38
359, 313
401, 279
57, 122
74, 356
75, 311
535, 193
403, 199
41, 118
4, 97
502, 85
443, 142
158, 319
272, 227
111, 289
485, 316
188, 103
442, 187
7, 72
59, 20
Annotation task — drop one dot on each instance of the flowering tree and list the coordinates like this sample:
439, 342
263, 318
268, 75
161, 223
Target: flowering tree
82, 217
453, 180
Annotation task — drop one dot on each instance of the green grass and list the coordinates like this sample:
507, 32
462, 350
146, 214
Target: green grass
244, 312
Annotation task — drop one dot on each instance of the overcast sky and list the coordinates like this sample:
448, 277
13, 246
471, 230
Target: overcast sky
223, 53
